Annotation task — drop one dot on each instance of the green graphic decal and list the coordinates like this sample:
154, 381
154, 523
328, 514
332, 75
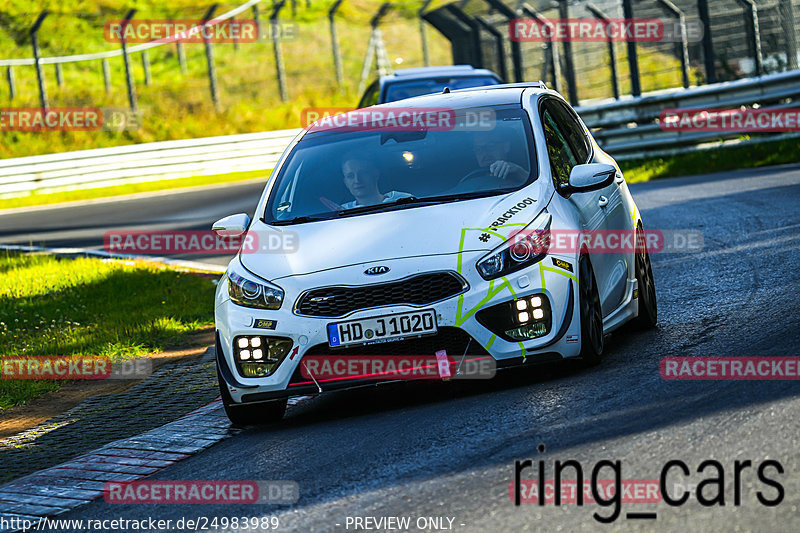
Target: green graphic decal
462, 314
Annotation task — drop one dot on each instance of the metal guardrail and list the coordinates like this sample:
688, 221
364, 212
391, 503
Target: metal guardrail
143, 162
629, 128
626, 129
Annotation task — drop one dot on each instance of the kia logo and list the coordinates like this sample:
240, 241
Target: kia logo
374, 271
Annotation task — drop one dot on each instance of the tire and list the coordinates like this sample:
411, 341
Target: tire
591, 314
648, 305
251, 414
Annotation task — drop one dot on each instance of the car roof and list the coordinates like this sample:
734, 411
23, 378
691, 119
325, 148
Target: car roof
490, 95
420, 73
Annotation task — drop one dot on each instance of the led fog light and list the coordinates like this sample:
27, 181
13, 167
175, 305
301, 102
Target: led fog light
255, 370
259, 356
518, 320
531, 331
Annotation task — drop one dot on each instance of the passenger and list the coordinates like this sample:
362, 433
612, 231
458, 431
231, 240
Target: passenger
361, 179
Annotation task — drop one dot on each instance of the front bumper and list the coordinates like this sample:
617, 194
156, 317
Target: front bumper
456, 317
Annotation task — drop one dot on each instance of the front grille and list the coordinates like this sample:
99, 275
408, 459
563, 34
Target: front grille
421, 289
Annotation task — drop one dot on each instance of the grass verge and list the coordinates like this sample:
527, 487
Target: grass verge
130, 188
87, 306
716, 160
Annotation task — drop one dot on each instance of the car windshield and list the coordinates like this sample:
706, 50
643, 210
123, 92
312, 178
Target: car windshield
398, 90
346, 171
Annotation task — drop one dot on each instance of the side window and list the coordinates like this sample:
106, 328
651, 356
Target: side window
573, 130
370, 96
562, 158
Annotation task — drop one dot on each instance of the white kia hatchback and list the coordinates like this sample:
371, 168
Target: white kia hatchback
447, 226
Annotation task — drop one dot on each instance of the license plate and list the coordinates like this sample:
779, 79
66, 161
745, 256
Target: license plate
382, 329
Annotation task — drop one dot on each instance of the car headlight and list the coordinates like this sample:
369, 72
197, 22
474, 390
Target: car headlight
522, 250
248, 291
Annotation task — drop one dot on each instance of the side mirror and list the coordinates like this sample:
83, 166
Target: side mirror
590, 177
231, 226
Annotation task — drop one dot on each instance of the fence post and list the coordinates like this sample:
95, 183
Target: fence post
337, 56
708, 42
475, 34
276, 48
235, 34
146, 67
753, 33
498, 37
516, 51
381, 59
684, 44
787, 26
127, 61
181, 56
12, 84
212, 74
551, 53
106, 76
34, 31
633, 59
374, 48
613, 60
422, 33
59, 75
569, 65
256, 14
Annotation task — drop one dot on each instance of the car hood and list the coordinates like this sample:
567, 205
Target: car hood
411, 232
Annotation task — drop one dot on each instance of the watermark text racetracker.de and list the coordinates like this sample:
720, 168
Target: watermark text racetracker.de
568, 241
204, 242
397, 118
597, 30
73, 367
184, 31
730, 120
69, 119
712, 368
379, 367
197, 31
194, 492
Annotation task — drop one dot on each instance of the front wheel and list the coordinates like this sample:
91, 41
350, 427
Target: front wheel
592, 341
250, 414
648, 306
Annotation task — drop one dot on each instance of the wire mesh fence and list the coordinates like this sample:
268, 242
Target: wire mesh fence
699, 42
703, 41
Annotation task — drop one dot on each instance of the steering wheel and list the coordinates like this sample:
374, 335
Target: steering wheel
330, 204
475, 174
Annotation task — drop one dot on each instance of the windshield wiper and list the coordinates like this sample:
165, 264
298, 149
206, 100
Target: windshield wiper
427, 200
297, 220
460, 196
387, 205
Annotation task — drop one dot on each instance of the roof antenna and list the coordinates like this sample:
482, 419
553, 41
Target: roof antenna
446, 90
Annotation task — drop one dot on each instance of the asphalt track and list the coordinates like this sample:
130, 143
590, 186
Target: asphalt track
437, 450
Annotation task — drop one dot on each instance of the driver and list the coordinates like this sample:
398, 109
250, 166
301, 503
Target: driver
361, 179
492, 154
